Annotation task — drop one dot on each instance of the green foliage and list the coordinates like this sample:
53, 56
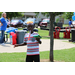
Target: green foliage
48, 13
36, 13
57, 20
67, 15
0, 14
13, 14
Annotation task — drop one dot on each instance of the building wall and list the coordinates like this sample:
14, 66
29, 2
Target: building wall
40, 16
32, 14
66, 21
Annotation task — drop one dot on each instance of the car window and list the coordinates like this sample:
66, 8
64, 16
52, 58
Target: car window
14, 20
21, 21
30, 20
45, 20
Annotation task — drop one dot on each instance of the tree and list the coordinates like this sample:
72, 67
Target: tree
67, 15
0, 14
13, 14
52, 19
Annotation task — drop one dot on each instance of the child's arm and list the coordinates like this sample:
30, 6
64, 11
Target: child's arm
38, 39
16, 45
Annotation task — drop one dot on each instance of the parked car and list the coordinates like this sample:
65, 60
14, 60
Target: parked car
44, 24
35, 23
16, 23
8, 23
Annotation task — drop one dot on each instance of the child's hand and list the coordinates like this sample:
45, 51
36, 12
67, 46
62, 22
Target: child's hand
38, 39
15, 45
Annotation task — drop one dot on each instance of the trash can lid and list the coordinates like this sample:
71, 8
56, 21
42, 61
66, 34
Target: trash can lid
20, 31
72, 29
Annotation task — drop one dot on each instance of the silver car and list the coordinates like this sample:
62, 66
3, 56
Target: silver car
35, 23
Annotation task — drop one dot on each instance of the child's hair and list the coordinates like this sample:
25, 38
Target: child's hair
29, 22
3, 13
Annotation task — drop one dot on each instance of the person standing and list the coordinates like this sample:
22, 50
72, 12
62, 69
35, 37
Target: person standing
70, 23
32, 45
3, 26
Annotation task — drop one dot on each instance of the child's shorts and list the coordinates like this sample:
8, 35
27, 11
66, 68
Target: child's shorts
31, 58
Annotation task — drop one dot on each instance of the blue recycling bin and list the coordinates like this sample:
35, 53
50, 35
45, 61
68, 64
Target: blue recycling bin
11, 29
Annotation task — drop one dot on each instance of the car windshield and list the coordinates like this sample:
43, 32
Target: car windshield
29, 20
45, 20
14, 20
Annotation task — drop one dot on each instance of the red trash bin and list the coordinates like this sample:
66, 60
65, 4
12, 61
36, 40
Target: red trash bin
67, 33
14, 37
57, 32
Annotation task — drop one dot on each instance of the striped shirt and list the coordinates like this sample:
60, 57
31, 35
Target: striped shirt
32, 44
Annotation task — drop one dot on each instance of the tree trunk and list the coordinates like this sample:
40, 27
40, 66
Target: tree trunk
10, 20
52, 18
53, 27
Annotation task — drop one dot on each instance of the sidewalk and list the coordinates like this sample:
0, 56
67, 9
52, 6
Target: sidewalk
45, 46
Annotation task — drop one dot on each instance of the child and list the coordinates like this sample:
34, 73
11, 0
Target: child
32, 45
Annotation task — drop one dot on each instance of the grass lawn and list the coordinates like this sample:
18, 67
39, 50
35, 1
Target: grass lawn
65, 25
65, 55
44, 33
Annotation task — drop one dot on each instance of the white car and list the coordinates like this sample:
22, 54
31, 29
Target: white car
35, 23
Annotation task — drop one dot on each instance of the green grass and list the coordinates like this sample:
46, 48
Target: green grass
12, 57
44, 33
61, 35
65, 55
65, 25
